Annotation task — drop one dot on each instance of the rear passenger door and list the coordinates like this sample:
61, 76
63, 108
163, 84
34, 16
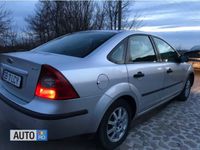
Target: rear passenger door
174, 71
145, 72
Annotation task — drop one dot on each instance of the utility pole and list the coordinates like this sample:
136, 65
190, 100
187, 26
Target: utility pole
119, 14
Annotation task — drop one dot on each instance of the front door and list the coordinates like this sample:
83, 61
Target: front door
174, 71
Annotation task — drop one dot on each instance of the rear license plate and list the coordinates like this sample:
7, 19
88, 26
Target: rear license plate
12, 78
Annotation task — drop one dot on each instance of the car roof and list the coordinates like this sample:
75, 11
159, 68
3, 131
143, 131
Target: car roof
117, 31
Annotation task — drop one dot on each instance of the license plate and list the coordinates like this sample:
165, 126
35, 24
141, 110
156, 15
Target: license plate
12, 78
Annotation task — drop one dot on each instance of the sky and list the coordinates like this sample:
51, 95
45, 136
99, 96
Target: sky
177, 21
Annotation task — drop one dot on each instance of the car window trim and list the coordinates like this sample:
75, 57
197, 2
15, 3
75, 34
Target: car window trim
156, 49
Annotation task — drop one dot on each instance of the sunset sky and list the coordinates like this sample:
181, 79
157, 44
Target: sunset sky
178, 21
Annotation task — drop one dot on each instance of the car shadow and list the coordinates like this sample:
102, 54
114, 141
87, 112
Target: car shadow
147, 116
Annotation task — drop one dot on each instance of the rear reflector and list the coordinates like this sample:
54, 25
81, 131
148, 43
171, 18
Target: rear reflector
53, 85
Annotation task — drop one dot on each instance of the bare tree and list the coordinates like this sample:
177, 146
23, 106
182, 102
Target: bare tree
111, 8
78, 15
117, 14
134, 23
39, 23
56, 18
5, 23
98, 16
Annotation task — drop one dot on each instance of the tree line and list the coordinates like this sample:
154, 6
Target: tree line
56, 18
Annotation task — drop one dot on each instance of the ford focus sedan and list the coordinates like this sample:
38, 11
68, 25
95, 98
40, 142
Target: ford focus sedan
91, 82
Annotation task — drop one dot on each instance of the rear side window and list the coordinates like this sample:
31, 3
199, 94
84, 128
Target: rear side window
78, 44
118, 54
141, 49
167, 53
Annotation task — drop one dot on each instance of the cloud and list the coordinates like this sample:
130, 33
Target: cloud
177, 21
169, 28
176, 13
167, 6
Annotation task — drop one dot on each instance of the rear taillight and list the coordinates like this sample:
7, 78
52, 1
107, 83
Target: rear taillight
53, 85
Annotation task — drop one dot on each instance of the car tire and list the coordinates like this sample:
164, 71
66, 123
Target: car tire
186, 91
113, 129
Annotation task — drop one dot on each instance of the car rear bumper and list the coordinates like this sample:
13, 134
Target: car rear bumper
38, 115
59, 123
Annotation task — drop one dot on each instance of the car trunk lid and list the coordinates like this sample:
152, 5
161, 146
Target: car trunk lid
24, 67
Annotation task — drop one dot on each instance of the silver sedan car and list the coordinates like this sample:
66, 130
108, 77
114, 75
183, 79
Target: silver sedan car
91, 82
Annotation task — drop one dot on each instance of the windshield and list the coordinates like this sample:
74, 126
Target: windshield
78, 44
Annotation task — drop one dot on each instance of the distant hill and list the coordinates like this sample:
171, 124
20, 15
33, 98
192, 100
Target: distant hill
194, 52
182, 51
195, 48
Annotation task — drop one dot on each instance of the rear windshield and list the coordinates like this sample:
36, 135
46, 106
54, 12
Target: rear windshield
78, 44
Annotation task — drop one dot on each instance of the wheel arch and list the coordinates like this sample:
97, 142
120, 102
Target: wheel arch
191, 76
120, 92
132, 103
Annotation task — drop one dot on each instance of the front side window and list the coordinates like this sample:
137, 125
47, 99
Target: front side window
141, 49
167, 53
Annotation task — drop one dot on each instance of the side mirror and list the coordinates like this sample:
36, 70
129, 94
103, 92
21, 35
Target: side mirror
183, 58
